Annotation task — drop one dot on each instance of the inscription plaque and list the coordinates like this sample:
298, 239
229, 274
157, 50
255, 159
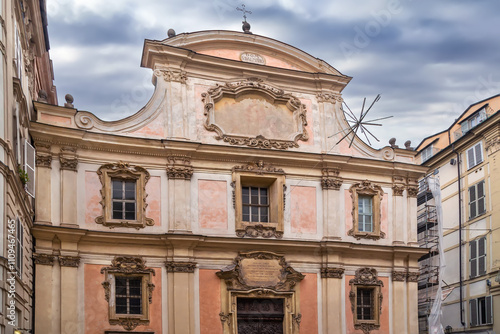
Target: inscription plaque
252, 58
260, 273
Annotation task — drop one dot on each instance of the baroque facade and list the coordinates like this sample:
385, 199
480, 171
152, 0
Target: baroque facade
464, 161
226, 205
26, 74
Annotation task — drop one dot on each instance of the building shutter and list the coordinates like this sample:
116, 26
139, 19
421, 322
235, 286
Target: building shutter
470, 158
481, 205
473, 258
481, 255
473, 312
478, 154
29, 167
472, 202
489, 310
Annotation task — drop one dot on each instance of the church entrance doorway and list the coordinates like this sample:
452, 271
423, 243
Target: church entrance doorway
260, 315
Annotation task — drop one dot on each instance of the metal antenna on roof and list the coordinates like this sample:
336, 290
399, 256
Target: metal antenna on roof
246, 25
359, 123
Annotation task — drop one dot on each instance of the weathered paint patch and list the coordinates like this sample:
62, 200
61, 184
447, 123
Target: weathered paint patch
212, 204
93, 208
303, 209
153, 190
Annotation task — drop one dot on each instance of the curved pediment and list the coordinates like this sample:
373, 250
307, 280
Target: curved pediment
250, 48
253, 113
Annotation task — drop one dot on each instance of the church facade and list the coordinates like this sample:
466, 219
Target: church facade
228, 204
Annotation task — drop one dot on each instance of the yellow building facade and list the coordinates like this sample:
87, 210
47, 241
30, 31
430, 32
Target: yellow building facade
227, 204
464, 160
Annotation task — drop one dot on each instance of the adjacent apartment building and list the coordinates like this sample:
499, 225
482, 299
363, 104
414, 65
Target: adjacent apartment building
26, 75
465, 160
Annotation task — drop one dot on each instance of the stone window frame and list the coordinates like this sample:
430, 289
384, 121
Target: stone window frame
367, 188
260, 175
122, 170
131, 267
366, 278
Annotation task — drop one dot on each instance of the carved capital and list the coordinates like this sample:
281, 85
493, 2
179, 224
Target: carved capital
398, 275
398, 189
412, 276
179, 167
68, 158
259, 230
180, 267
332, 272
43, 160
172, 75
412, 191
44, 259
329, 97
69, 261
492, 145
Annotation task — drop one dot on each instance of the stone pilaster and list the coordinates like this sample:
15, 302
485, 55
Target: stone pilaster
399, 293
332, 280
180, 277
44, 285
333, 227
179, 172
399, 224
43, 185
69, 164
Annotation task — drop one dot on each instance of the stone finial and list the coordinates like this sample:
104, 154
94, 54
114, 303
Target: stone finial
69, 101
408, 145
171, 33
246, 27
392, 142
43, 96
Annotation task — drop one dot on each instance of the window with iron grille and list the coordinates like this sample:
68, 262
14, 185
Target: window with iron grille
128, 294
124, 199
474, 155
255, 202
477, 200
364, 304
481, 311
477, 257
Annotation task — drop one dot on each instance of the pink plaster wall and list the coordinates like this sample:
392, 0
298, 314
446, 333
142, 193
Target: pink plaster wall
96, 306
235, 55
153, 190
348, 210
384, 316
55, 120
210, 302
303, 209
212, 204
93, 208
309, 304
154, 129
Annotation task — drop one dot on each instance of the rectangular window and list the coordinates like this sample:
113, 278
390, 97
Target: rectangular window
481, 310
19, 247
426, 153
124, 195
474, 155
255, 202
128, 293
29, 168
365, 213
477, 257
364, 304
477, 200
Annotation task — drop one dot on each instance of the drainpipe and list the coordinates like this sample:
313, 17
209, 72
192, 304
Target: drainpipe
460, 265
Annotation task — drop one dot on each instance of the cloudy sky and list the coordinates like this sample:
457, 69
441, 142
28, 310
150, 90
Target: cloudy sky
428, 59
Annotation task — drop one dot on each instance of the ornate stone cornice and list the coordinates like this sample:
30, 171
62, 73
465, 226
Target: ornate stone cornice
43, 160
180, 267
332, 272
329, 97
172, 75
366, 276
259, 168
179, 167
412, 191
69, 261
128, 265
412, 276
44, 259
259, 230
398, 275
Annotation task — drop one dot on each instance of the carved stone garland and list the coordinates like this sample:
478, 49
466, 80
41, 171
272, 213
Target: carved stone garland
236, 88
366, 277
124, 171
130, 266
